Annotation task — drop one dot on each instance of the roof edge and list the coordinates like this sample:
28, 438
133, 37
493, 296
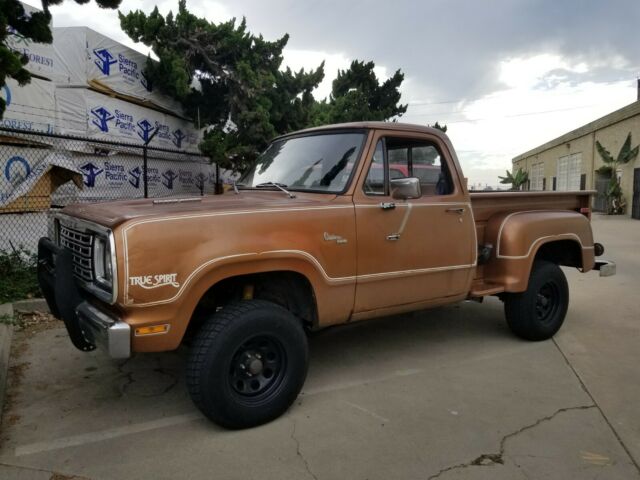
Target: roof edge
598, 124
366, 125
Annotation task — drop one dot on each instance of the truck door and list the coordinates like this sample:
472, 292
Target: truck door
417, 250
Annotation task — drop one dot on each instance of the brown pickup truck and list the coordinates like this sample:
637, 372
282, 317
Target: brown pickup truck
331, 225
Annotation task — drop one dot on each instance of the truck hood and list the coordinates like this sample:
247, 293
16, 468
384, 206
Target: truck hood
112, 214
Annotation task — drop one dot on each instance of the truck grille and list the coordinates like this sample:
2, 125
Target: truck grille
81, 246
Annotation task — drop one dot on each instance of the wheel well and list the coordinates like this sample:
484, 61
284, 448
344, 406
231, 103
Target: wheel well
561, 252
290, 290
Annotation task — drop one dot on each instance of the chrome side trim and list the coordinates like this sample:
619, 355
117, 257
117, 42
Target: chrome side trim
560, 236
177, 200
407, 273
330, 280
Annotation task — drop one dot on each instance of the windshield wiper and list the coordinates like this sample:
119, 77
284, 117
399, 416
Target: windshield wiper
280, 186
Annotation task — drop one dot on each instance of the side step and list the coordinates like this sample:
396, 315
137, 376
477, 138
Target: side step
485, 289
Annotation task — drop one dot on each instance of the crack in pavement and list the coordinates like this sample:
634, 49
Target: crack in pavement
299, 453
487, 459
129, 379
606, 419
127, 375
53, 475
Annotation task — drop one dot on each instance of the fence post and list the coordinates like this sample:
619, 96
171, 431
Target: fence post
144, 162
144, 171
218, 190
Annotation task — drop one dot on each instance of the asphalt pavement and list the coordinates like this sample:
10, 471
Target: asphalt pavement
448, 393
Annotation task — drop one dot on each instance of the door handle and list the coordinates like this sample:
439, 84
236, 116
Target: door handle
458, 210
387, 205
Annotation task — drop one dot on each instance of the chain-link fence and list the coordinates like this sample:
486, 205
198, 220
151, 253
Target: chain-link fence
41, 173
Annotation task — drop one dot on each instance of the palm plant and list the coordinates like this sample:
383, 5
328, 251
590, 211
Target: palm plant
517, 179
615, 200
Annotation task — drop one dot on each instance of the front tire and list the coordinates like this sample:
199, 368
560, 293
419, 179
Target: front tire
248, 364
538, 313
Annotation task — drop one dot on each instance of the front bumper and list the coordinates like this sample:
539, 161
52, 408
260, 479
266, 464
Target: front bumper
87, 325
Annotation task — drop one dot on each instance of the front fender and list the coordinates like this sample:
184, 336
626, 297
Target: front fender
518, 236
334, 295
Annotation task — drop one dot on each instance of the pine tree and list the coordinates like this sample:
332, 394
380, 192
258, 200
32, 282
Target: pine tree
357, 95
243, 98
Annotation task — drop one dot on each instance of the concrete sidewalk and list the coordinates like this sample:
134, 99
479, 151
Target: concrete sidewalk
447, 394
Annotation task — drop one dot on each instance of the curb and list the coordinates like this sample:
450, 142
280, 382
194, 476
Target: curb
6, 334
34, 304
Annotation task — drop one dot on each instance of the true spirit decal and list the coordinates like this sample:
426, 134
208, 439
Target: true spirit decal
155, 281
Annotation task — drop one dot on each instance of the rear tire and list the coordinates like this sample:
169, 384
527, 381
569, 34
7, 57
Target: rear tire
247, 364
538, 313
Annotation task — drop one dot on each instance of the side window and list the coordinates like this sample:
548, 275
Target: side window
374, 183
428, 165
406, 157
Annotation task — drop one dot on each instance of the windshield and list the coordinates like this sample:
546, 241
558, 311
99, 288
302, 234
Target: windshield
313, 162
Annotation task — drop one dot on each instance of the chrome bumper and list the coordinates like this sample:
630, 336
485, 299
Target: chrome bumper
605, 267
107, 332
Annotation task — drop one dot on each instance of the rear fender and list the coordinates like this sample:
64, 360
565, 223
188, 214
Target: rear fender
518, 237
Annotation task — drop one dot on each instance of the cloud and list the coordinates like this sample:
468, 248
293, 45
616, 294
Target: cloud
454, 47
505, 76
311, 59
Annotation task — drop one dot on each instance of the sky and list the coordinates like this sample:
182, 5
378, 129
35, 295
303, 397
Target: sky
504, 76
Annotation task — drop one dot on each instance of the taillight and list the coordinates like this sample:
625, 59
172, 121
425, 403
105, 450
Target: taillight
586, 211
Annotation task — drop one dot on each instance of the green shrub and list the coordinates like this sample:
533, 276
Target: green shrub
18, 275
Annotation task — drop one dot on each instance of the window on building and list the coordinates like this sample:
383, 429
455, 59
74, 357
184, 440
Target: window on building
537, 177
568, 172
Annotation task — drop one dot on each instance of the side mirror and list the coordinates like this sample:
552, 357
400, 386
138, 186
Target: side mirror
405, 188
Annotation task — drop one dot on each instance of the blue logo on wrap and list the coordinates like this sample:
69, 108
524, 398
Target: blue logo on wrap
7, 95
10, 172
104, 61
168, 177
178, 136
145, 129
134, 177
90, 172
102, 118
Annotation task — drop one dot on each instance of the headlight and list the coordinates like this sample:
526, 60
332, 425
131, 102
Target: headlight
102, 267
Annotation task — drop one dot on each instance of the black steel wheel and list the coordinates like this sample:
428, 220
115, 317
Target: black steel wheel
539, 312
547, 302
248, 364
257, 367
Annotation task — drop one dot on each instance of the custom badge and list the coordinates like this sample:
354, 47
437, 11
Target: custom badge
155, 281
329, 237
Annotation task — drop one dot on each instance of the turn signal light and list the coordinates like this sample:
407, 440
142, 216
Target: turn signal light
152, 330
